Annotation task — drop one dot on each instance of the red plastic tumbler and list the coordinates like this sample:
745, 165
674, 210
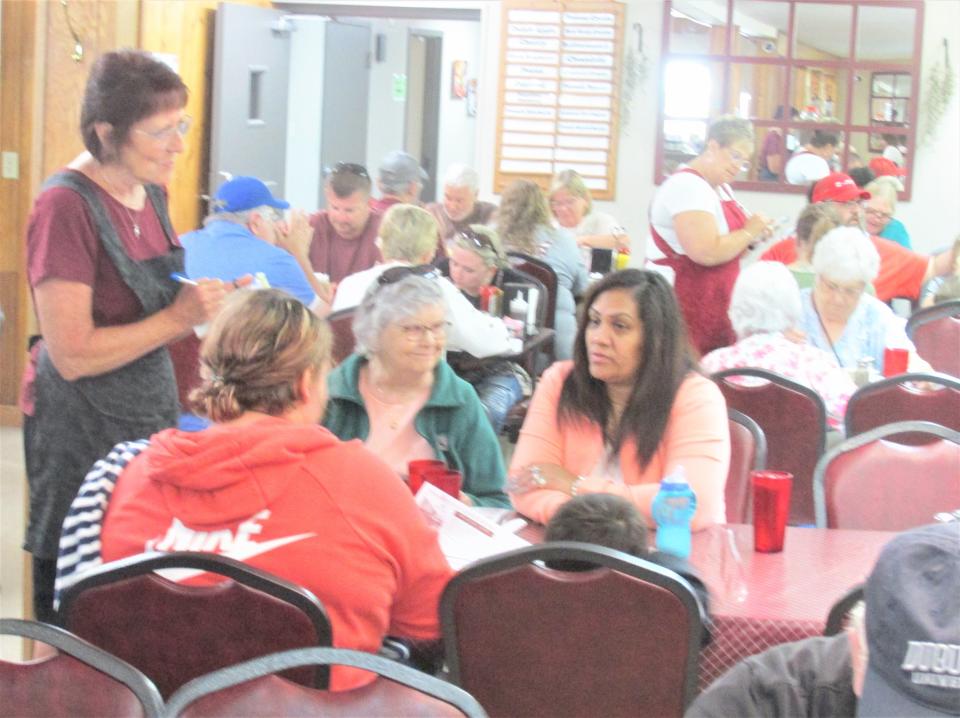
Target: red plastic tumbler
771, 506
418, 470
895, 361
448, 481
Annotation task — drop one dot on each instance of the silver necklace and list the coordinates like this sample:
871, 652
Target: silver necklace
116, 196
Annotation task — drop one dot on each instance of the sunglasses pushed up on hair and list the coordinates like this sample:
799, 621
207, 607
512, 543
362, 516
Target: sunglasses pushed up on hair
395, 274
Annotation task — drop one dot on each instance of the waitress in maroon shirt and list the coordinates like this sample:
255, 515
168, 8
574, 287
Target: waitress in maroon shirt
100, 254
702, 231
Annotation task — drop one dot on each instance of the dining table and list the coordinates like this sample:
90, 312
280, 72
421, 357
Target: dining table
758, 600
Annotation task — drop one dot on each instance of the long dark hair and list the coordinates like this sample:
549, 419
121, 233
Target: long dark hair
665, 359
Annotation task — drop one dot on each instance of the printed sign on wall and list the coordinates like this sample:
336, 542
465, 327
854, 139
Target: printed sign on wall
559, 92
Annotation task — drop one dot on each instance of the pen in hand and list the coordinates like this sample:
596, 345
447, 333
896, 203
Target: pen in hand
183, 279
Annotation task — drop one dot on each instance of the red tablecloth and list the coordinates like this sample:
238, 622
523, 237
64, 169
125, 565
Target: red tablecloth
767, 598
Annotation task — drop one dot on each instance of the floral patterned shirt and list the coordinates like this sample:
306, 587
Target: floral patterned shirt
802, 363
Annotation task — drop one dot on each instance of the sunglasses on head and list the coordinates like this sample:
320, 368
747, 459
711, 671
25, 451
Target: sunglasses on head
395, 274
480, 241
351, 168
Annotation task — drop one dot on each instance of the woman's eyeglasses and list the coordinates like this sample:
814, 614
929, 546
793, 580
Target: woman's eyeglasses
181, 128
395, 274
351, 168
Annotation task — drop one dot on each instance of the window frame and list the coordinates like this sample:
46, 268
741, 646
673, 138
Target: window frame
854, 68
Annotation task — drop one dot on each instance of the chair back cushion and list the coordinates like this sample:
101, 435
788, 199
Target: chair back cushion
274, 696
743, 459
532, 641
545, 274
887, 486
61, 685
900, 398
174, 633
935, 332
793, 420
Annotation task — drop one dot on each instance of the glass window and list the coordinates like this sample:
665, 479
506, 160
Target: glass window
799, 70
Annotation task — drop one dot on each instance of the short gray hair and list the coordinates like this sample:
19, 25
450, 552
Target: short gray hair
846, 254
765, 298
459, 175
242, 217
384, 304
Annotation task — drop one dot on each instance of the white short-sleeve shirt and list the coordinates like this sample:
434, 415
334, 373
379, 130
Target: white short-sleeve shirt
686, 192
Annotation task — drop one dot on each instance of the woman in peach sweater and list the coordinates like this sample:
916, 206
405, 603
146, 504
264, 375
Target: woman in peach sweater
626, 411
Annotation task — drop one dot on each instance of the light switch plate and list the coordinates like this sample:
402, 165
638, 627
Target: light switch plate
11, 165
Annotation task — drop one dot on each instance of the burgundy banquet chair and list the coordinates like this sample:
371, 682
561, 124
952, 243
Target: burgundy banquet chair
621, 639
935, 331
872, 483
905, 397
748, 452
793, 419
251, 689
174, 632
80, 680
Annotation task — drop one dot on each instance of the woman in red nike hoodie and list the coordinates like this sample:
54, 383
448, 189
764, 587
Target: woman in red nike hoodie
271, 487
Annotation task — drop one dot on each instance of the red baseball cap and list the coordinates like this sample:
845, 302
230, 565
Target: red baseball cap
837, 187
882, 166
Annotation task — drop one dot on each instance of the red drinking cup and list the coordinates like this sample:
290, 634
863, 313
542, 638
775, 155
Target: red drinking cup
771, 506
895, 361
417, 471
448, 481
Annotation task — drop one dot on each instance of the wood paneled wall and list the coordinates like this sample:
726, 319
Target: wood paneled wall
17, 94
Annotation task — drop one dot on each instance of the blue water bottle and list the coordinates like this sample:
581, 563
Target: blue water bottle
673, 509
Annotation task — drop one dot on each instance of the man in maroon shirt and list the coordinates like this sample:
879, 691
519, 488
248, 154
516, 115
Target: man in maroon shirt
345, 233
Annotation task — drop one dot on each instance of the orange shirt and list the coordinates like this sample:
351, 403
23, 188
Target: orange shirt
696, 437
901, 270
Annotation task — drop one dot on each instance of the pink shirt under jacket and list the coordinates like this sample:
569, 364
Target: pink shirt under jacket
696, 437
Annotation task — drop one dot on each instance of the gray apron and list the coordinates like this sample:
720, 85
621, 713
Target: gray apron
78, 422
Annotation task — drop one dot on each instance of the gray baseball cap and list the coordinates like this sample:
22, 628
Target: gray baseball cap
399, 168
913, 626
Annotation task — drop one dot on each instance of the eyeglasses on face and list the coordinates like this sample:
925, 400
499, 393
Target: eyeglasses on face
743, 162
877, 214
351, 168
849, 293
419, 332
395, 274
181, 128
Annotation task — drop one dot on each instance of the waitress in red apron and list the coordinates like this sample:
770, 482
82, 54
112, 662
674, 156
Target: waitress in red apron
702, 231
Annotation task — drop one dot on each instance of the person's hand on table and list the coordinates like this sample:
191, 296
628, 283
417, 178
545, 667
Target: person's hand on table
542, 476
464, 499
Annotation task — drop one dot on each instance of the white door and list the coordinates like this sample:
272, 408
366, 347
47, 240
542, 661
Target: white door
248, 129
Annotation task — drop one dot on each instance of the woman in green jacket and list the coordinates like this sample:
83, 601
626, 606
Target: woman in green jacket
398, 395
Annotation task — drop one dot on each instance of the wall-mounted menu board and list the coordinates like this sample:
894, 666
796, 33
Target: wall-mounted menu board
559, 92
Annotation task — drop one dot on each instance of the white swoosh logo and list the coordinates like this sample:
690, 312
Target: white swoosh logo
241, 553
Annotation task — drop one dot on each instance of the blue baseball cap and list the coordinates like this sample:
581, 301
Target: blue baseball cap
243, 193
